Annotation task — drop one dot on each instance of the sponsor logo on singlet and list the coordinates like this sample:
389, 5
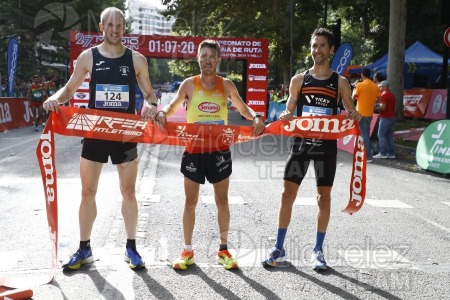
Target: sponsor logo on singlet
208, 107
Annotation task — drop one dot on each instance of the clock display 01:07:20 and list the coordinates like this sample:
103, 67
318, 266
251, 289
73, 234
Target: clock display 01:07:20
183, 47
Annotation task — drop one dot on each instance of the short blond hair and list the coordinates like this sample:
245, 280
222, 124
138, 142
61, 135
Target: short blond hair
109, 10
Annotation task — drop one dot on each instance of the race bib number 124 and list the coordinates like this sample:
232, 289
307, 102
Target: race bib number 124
112, 96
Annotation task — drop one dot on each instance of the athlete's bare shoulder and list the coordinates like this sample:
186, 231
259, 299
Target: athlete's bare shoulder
138, 59
84, 61
343, 82
137, 55
227, 83
188, 81
297, 79
187, 87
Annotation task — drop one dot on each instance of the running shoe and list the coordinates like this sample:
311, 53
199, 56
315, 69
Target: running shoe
43, 124
81, 257
319, 261
36, 128
186, 259
276, 256
134, 259
391, 156
379, 155
226, 259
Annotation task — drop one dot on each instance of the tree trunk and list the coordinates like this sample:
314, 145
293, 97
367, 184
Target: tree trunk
397, 31
286, 75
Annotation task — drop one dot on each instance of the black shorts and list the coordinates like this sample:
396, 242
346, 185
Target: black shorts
297, 167
100, 150
215, 166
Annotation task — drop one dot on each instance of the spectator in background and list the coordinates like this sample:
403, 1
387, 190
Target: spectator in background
51, 86
367, 93
387, 122
158, 94
35, 96
4, 93
377, 78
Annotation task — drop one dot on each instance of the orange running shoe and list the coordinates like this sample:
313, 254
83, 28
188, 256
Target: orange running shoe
226, 259
186, 259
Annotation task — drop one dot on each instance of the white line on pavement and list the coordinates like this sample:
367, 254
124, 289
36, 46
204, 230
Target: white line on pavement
387, 203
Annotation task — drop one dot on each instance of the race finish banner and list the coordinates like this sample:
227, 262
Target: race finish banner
91, 123
253, 51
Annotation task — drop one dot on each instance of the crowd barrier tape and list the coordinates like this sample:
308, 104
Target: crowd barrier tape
91, 123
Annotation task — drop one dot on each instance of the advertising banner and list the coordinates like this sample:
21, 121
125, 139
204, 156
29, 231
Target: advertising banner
254, 51
14, 113
433, 148
415, 102
342, 58
347, 143
437, 106
13, 55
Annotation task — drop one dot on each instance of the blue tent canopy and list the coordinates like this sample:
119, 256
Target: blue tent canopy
418, 59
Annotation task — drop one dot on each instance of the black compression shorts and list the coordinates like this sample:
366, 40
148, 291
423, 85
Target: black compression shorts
297, 167
215, 166
100, 150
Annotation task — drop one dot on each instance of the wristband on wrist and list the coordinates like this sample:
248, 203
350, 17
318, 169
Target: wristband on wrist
154, 104
257, 116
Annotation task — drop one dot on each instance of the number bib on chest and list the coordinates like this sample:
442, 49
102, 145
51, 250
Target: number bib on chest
215, 122
316, 111
111, 96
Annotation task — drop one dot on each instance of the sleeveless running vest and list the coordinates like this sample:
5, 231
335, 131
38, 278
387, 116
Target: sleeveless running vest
37, 92
51, 89
113, 82
319, 98
208, 106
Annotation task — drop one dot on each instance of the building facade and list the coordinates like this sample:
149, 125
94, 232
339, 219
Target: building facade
146, 19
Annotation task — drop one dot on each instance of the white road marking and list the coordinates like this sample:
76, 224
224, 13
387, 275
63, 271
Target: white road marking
433, 223
107, 257
147, 182
305, 201
374, 259
231, 200
387, 203
9, 259
147, 198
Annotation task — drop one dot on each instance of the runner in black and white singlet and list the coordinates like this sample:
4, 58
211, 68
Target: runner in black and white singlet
114, 70
112, 88
318, 98
313, 93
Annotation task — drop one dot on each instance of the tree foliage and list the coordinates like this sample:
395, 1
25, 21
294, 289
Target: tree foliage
365, 24
256, 19
44, 24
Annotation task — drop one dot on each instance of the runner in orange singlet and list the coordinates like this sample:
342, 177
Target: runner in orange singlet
206, 97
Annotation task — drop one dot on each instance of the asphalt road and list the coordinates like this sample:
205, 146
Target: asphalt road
396, 247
